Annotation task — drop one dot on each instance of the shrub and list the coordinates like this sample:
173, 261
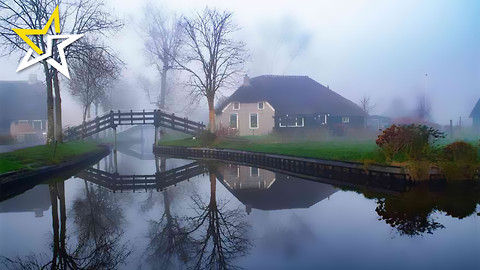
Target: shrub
223, 132
206, 138
412, 140
459, 160
6, 139
460, 151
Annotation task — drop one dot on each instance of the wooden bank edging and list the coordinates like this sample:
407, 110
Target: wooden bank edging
20, 176
384, 177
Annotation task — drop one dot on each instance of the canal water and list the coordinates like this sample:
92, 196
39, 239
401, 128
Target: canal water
135, 211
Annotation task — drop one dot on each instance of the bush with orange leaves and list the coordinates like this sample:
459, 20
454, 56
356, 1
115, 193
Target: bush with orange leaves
413, 141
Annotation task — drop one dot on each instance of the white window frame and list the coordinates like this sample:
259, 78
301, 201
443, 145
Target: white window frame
345, 119
263, 105
229, 120
250, 121
258, 172
233, 106
296, 126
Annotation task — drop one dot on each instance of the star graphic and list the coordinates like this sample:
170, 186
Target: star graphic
69, 39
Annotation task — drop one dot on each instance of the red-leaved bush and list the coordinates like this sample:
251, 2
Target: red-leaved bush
412, 140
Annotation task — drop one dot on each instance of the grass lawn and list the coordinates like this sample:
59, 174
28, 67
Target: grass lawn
37, 156
360, 151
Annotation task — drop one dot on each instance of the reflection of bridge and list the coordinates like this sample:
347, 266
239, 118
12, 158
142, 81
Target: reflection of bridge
113, 119
158, 181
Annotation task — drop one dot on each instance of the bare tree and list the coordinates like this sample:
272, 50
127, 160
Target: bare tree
366, 105
423, 108
163, 40
78, 17
212, 56
92, 75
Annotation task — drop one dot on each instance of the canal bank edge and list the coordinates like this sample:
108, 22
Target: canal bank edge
296, 163
22, 176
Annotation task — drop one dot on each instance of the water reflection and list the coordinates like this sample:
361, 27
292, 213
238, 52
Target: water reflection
266, 190
95, 244
221, 232
202, 214
411, 214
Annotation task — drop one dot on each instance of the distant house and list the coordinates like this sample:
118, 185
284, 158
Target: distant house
23, 110
265, 103
378, 122
475, 115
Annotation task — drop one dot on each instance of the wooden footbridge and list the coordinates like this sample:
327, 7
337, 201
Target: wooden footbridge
158, 181
113, 119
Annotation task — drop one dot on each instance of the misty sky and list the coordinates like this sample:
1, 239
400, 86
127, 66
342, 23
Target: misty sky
382, 49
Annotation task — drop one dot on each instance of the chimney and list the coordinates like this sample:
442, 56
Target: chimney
32, 78
246, 80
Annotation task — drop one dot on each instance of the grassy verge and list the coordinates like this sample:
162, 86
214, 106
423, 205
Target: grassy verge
37, 156
359, 151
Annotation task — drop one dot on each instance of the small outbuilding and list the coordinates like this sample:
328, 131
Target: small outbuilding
475, 115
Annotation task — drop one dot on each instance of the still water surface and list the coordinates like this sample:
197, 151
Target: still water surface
231, 216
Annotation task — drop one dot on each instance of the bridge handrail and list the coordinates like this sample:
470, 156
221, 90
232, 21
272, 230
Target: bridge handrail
114, 118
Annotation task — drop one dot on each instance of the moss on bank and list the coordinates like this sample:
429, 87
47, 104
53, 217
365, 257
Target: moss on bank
42, 155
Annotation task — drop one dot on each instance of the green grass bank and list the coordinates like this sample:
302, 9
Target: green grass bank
43, 155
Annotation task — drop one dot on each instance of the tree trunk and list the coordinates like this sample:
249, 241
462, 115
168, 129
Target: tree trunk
211, 114
50, 115
58, 109
163, 92
213, 189
55, 225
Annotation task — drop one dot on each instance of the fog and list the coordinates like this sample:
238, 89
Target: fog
380, 49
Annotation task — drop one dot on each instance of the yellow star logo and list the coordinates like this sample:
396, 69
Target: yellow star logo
24, 32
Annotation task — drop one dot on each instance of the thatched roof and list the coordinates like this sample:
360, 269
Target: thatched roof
293, 95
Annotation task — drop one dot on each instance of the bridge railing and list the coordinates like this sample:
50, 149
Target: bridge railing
114, 118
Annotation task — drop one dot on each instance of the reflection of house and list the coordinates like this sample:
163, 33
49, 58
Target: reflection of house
475, 115
286, 103
23, 110
378, 122
243, 177
34, 200
284, 192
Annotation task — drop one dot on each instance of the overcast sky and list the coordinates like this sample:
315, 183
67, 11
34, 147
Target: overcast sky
380, 48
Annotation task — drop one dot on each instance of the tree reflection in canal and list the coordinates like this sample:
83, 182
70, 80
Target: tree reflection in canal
98, 218
169, 243
411, 213
220, 233
97, 245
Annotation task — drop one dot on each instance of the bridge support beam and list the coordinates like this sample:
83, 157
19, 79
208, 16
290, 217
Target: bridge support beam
156, 135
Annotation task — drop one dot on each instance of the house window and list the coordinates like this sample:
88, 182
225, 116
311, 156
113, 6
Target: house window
233, 170
288, 121
233, 120
254, 172
260, 105
345, 119
236, 105
253, 120
262, 184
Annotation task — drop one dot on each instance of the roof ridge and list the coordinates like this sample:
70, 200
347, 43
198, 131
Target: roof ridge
283, 76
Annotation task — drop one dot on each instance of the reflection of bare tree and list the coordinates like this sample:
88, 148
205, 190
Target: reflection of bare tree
98, 219
97, 248
169, 244
224, 238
